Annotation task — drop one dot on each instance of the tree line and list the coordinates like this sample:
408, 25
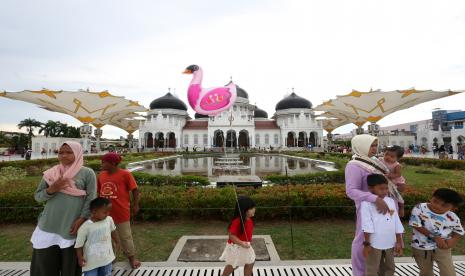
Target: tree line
48, 129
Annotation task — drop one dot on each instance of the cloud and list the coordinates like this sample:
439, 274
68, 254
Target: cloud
322, 48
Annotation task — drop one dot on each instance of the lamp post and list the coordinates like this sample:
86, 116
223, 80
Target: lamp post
86, 131
130, 141
98, 134
373, 129
359, 130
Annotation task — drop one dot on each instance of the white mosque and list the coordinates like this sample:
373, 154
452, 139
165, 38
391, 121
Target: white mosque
293, 125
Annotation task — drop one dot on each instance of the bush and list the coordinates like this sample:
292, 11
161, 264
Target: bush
8, 174
311, 178
437, 163
171, 202
143, 178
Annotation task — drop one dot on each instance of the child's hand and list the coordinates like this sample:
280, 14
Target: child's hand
366, 251
135, 210
245, 244
82, 262
451, 243
117, 247
399, 251
442, 244
401, 212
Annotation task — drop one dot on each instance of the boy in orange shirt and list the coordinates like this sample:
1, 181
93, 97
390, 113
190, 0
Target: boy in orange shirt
116, 184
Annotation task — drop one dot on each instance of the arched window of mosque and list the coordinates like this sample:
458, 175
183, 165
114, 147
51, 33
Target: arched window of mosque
257, 139
267, 139
186, 139
276, 139
196, 139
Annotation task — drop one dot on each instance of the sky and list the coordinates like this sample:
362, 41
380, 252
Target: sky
138, 49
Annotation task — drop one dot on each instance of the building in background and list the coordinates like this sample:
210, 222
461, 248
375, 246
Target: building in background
444, 128
293, 125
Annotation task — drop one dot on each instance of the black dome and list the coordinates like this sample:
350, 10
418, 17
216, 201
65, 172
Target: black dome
260, 113
240, 92
293, 101
199, 116
168, 102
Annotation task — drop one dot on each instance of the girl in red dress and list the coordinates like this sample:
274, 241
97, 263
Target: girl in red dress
238, 250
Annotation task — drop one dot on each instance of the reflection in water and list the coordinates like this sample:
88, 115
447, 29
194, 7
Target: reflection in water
171, 164
249, 165
291, 164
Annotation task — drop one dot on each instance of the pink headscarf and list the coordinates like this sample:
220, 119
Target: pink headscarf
68, 172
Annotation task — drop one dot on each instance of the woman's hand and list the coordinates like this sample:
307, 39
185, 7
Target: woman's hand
60, 184
381, 206
75, 226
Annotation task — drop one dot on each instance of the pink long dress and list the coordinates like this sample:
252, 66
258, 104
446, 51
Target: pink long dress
357, 190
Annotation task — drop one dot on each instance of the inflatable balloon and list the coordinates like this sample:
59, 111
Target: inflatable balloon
208, 101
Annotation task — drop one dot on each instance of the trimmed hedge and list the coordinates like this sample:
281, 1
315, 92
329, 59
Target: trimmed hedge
311, 178
437, 163
143, 178
37, 166
171, 202
413, 161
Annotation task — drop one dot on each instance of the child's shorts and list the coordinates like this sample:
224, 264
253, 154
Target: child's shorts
236, 255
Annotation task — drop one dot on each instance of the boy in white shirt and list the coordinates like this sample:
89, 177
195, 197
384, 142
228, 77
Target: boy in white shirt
382, 231
436, 230
94, 240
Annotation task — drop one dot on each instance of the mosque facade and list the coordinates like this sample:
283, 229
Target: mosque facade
244, 126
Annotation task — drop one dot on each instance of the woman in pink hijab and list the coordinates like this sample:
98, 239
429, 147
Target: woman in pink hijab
66, 189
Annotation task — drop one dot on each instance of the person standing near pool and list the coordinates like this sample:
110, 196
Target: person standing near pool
363, 163
117, 184
67, 190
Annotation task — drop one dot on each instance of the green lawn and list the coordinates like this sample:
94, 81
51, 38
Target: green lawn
421, 177
328, 239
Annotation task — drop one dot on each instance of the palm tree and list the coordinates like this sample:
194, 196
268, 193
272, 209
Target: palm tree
73, 132
49, 128
29, 124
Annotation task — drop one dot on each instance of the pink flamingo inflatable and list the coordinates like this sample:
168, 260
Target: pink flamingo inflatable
208, 101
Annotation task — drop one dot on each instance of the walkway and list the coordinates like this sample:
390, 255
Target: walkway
289, 268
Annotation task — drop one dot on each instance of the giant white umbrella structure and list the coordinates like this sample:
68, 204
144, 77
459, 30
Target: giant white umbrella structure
112, 119
374, 105
83, 105
88, 107
129, 125
330, 124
